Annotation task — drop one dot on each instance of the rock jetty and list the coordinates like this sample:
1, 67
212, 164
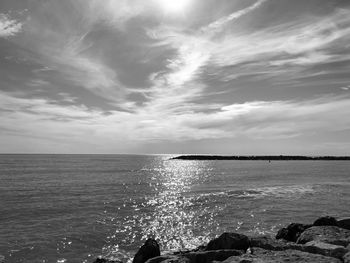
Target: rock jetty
260, 158
326, 240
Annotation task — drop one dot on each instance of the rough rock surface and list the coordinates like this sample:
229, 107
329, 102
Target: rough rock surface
327, 240
168, 259
268, 243
346, 258
314, 247
209, 256
103, 260
326, 221
327, 234
325, 249
2, 259
292, 232
149, 250
266, 256
344, 223
197, 257
229, 241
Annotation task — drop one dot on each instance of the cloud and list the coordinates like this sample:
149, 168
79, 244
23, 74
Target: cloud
197, 78
78, 124
62, 48
9, 27
273, 51
218, 25
178, 83
113, 12
276, 119
303, 42
85, 70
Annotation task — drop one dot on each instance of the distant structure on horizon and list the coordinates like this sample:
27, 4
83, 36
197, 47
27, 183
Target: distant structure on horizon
263, 158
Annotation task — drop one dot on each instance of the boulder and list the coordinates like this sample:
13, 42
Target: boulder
292, 232
2, 259
168, 259
268, 243
344, 223
266, 256
229, 241
327, 234
314, 247
346, 258
197, 257
282, 233
149, 250
103, 260
326, 221
198, 249
325, 249
210, 256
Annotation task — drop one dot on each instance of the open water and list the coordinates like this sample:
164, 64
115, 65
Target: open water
73, 208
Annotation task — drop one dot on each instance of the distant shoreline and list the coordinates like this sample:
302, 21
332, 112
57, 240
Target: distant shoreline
262, 158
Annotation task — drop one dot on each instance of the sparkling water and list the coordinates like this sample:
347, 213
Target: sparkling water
73, 208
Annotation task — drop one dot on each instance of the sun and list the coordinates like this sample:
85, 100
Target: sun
173, 6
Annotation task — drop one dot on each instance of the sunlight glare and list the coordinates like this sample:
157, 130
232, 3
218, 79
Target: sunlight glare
173, 6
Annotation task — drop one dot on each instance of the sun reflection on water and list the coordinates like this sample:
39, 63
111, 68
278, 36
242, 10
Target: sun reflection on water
173, 221
184, 204
168, 210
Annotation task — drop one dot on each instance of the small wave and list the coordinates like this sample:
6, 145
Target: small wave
284, 191
262, 192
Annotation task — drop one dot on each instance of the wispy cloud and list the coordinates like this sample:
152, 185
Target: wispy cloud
218, 25
112, 12
277, 119
194, 80
9, 27
178, 84
63, 48
272, 51
256, 120
305, 42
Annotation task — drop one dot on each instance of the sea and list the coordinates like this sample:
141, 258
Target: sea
74, 208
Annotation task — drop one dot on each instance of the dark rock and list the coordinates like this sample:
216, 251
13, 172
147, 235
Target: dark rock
210, 256
346, 258
198, 249
103, 260
314, 247
268, 243
344, 223
197, 257
325, 249
2, 259
229, 241
149, 250
292, 232
168, 259
326, 221
327, 234
282, 233
266, 256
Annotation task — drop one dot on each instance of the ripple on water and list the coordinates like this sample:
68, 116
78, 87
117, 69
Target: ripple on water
169, 214
181, 217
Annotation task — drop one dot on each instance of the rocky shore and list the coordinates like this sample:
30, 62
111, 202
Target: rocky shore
326, 240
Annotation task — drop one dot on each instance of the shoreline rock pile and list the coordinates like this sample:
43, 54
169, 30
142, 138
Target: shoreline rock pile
326, 240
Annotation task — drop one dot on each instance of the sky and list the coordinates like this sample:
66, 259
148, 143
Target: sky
236, 77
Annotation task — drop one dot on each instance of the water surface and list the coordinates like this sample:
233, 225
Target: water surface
72, 208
